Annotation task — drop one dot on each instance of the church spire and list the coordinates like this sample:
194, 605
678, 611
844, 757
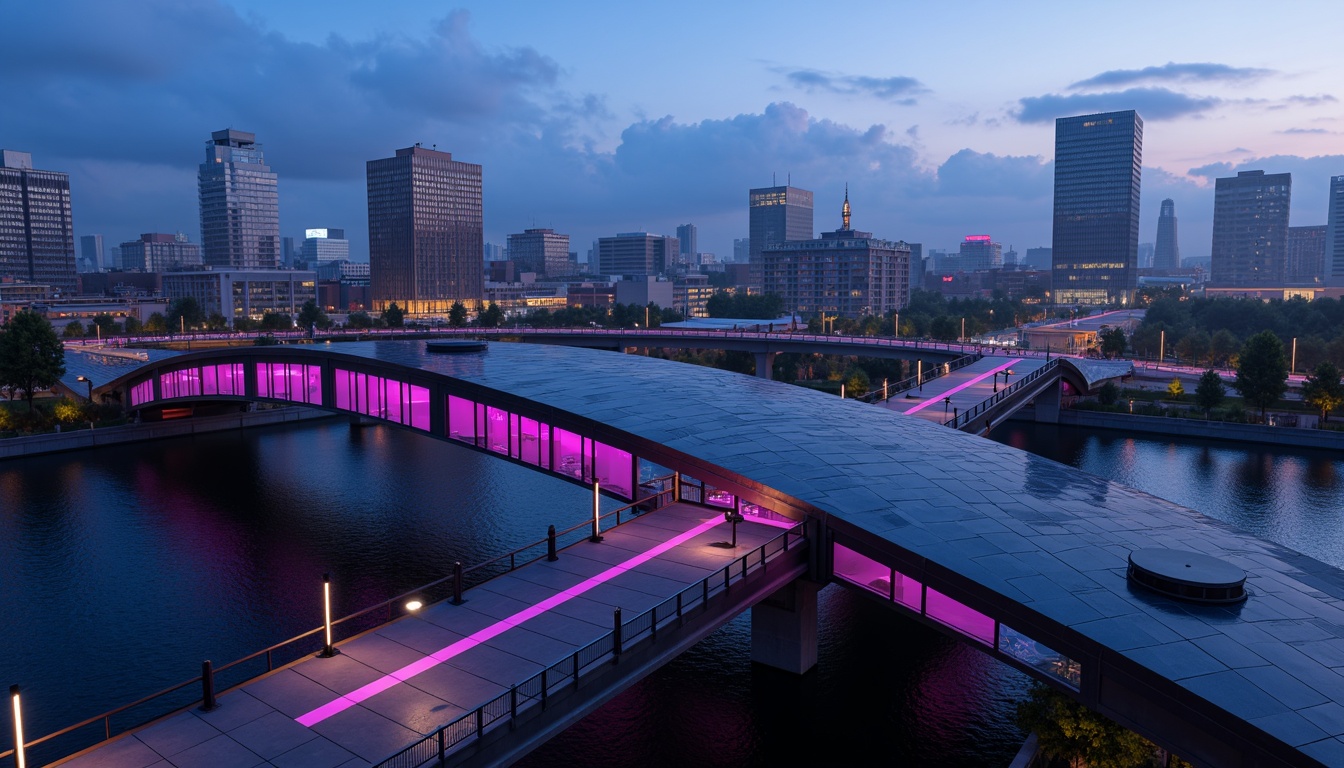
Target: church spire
844, 212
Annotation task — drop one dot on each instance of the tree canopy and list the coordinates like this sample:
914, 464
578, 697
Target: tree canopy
1209, 393
1068, 731
31, 355
394, 316
1322, 390
1262, 371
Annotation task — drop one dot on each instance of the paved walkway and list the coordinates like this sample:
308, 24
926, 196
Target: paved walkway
964, 387
388, 687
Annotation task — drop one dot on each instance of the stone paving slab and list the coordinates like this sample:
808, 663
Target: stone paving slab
255, 725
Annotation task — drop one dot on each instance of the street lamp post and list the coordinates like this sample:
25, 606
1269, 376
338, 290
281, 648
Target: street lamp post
1294, 365
947, 401
89, 382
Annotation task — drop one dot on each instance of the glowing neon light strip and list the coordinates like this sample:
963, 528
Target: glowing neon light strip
342, 703
962, 386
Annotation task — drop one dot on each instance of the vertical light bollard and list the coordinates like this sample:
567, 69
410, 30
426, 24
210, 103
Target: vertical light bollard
597, 514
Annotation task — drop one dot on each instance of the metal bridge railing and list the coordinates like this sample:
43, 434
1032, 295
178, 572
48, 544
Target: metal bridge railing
905, 385
308, 643
624, 637
965, 417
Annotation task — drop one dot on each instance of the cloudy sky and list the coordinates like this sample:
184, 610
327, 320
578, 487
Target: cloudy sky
597, 117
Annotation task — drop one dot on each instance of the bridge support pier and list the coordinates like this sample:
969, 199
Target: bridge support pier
1048, 403
784, 628
765, 364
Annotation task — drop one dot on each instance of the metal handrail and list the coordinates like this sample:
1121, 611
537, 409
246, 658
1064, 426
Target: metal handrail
623, 637
657, 499
965, 417
905, 385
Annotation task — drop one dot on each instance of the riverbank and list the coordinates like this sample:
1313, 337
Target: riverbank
59, 442
1207, 430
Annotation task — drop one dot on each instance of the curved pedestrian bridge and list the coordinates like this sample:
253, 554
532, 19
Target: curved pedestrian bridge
1019, 556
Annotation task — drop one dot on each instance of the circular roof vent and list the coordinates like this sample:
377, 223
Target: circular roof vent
1188, 576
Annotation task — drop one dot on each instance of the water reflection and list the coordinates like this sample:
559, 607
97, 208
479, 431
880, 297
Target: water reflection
1291, 496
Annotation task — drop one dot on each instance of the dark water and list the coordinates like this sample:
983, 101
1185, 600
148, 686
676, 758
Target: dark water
1294, 497
121, 569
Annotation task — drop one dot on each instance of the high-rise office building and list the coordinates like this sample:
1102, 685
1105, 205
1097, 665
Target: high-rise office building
1038, 258
1306, 255
426, 239
1250, 229
742, 249
1098, 162
91, 255
688, 244
979, 252
777, 215
240, 204
541, 251
323, 246
631, 254
845, 272
1167, 251
37, 236
1334, 234
289, 252
1146, 253
159, 252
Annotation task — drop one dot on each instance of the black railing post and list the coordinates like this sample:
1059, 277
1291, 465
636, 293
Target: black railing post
480, 721
550, 545
442, 749
207, 687
616, 635
513, 706
457, 583
544, 687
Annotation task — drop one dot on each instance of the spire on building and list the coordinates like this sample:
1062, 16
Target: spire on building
844, 212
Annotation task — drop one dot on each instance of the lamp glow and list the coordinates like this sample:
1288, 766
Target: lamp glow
19, 760
327, 649
414, 605
597, 513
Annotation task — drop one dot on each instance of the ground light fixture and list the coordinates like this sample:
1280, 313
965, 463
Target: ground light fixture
328, 650
597, 513
19, 761
414, 605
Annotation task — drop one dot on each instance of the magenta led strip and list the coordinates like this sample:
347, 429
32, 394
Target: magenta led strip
342, 703
962, 386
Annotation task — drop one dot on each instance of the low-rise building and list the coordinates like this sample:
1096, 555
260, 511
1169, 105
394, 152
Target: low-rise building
236, 293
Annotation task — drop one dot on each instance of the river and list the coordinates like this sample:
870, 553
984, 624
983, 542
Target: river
122, 568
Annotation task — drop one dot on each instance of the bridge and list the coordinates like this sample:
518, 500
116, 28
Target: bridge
1020, 557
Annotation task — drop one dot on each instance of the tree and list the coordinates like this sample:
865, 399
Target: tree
133, 324
457, 315
1175, 389
491, 317
105, 323
73, 330
394, 316
1262, 371
31, 356
360, 320
216, 322
1066, 730
1223, 347
311, 315
1209, 393
1108, 393
1113, 342
276, 321
856, 382
1322, 390
156, 323
184, 312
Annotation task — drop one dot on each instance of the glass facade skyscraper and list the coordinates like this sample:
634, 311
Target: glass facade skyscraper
777, 215
37, 238
1250, 230
1095, 248
240, 204
426, 241
1167, 252
1334, 234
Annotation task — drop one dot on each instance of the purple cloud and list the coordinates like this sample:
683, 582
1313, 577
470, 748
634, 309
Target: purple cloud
1150, 103
1172, 72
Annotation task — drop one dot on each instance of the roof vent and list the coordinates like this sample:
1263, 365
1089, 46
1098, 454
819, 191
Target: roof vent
1188, 576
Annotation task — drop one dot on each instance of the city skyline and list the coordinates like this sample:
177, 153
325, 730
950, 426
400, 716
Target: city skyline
594, 140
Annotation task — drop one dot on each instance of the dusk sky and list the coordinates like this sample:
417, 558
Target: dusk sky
600, 117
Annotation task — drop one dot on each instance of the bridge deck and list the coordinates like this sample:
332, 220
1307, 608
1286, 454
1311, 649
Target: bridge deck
390, 686
965, 387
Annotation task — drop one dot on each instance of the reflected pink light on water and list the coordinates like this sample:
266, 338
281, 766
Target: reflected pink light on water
342, 703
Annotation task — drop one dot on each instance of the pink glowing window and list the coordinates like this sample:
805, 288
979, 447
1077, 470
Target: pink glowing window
717, 498
875, 577
222, 379
529, 439
971, 623
569, 459
184, 383
418, 398
515, 440
615, 468
142, 393
497, 424
461, 419
289, 381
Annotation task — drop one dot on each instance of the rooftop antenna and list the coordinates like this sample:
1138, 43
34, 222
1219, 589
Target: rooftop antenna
788, 180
